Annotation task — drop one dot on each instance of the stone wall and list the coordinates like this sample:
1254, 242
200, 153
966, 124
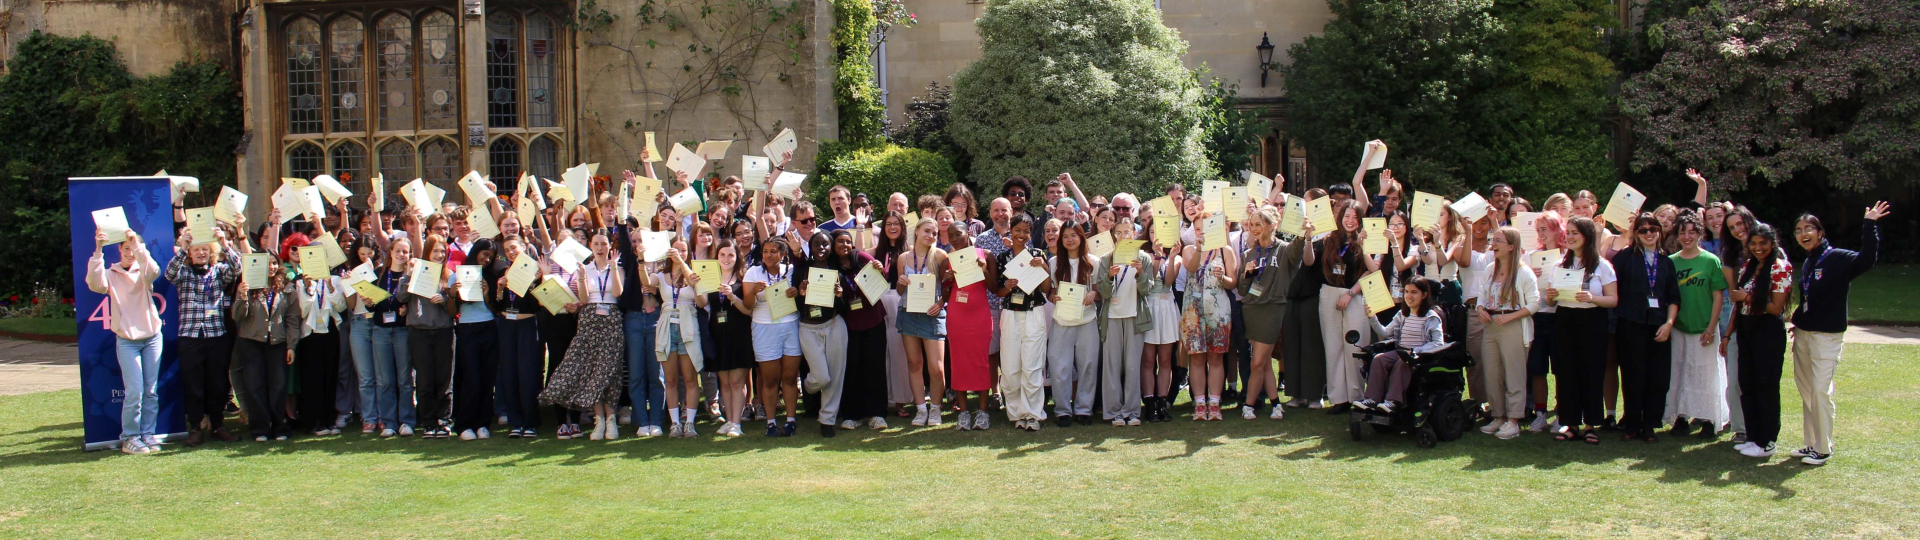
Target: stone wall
151, 35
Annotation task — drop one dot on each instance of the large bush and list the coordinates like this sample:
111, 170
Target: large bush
883, 169
1090, 87
69, 108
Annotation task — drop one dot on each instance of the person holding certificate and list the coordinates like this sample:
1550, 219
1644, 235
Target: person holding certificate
391, 368
1419, 329
1303, 355
517, 384
128, 286
1649, 301
1126, 322
477, 359
922, 322
588, 377
823, 333
776, 338
732, 325
319, 358
202, 274
1820, 322
1073, 343
557, 330
1024, 285
677, 345
1341, 308
1508, 296
1206, 323
1157, 266
969, 330
862, 382
891, 242
269, 327
1582, 286
430, 336
1270, 264
1552, 233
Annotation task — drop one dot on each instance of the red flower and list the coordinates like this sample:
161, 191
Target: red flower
14, 298
36, 299
67, 301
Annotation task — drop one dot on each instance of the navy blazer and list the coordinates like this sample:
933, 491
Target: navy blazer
1826, 276
1630, 273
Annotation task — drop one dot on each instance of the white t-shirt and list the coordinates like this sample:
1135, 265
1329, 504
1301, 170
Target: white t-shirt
1596, 283
1126, 295
600, 283
1473, 276
763, 311
670, 303
1073, 269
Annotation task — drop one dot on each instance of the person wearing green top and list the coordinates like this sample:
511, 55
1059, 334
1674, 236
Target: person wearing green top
1698, 390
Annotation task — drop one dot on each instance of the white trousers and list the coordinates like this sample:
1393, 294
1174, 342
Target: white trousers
1815, 357
824, 346
1344, 383
1023, 361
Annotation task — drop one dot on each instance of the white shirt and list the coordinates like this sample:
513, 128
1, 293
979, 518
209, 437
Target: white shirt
1472, 278
1073, 270
600, 282
763, 311
1126, 295
1596, 283
672, 303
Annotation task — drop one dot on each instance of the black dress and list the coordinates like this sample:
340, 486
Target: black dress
732, 333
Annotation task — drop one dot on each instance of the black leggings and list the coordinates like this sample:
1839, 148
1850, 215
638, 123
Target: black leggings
432, 352
557, 333
318, 359
204, 378
1763, 349
1580, 363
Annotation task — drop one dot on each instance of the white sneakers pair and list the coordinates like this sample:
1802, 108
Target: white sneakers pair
926, 416
1502, 429
1752, 450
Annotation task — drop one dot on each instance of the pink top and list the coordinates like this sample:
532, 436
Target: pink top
131, 313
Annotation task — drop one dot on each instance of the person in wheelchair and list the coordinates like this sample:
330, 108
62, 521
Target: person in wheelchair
1390, 373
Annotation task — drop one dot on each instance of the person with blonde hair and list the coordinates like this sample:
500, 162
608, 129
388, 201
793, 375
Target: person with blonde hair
136, 325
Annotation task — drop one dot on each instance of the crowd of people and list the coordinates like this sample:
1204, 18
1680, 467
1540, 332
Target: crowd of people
1100, 307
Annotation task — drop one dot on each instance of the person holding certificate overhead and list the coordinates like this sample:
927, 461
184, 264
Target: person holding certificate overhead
677, 343
136, 325
1582, 286
823, 333
1206, 321
1820, 322
557, 329
1303, 355
1269, 266
430, 335
268, 324
1024, 283
1073, 342
922, 322
318, 359
202, 276
588, 377
863, 379
776, 338
1341, 308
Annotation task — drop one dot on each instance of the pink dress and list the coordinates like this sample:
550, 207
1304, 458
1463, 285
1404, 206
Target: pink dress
969, 329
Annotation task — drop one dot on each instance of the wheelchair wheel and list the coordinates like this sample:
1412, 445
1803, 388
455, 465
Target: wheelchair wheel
1353, 429
1426, 438
1450, 420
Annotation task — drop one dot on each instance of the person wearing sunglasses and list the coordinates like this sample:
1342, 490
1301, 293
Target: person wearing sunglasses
1649, 302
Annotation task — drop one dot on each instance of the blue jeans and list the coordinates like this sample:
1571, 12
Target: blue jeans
392, 377
140, 381
644, 382
360, 343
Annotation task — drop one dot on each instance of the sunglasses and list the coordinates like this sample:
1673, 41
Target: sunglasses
809, 221
1123, 209
1648, 230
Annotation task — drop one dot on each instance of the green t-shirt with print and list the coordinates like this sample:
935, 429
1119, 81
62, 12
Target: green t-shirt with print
1699, 279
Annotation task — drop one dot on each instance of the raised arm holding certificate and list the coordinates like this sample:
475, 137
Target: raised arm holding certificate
685, 163
112, 221
1021, 267
686, 202
475, 191
1529, 236
424, 279
1320, 214
480, 219
652, 150
1127, 251
330, 188
1235, 203
569, 254
1072, 306
820, 283
414, 192
335, 255
711, 150
788, 185
253, 269
1374, 154
1100, 245
1624, 207
654, 245
1473, 207
754, 171
230, 206
200, 225
286, 199
1426, 210
553, 295
473, 288
1214, 229
1166, 231
966, 267
522, 273
921, 289
781, 145
1210, 196
579, 180
1376, 243
1258, 187
1164, 206
1373, 287
1293, 215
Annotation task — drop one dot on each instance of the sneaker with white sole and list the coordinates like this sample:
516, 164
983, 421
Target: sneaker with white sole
502, 420
980, 421
626, 416
1493, 426
676, 430
1279, 412
920, 416
1539, 423
1119, 421
849, 424
1246, 412
965, 423
482, 433
468, 435
1388, 406
1757, 451
877, 423
1801, 452
1133, 421
613, 431
933, 417
1507, 431
1742, 447
388, 432
689, 431
406, 430
133, 446
1816, 458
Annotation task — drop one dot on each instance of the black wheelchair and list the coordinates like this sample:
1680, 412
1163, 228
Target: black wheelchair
1435, 409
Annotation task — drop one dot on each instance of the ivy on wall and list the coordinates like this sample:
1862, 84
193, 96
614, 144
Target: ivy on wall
862, 116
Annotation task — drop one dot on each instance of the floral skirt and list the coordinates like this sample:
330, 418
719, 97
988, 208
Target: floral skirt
591, 373
1206, 323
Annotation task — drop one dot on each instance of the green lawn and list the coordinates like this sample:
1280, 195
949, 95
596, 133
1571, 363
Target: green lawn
41, 326
1888, 294
1300, 478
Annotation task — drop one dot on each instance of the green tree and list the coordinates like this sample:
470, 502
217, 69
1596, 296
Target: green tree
1553, 91
1090, 87
1416, 74
69, 108
1750, 91
1232, 133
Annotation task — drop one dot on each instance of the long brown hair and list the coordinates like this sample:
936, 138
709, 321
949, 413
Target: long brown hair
1330, 248
1589, 245
1060, 256
1506, 266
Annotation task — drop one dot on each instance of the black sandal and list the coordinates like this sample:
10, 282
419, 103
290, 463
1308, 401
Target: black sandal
1563, 434
1593, 436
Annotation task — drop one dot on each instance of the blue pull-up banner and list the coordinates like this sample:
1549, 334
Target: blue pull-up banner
148, 203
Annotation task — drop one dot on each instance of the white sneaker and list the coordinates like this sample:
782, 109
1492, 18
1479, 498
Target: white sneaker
1493, 426
689, 431
965, 422
1756, 451
1133, 421
502, 420
1119, 421
730, 429
849, 424
406, 430
1317, 404
482, 433
1508, 430
1279, 411
1742, 447
386, 432
613, 430
1539, 424
133, 446
1801, 452
676, 431
599, 431
920, 418
933, 416
1246, 412
878, 423
468, 435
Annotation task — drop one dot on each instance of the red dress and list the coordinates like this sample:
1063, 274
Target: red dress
969, 329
